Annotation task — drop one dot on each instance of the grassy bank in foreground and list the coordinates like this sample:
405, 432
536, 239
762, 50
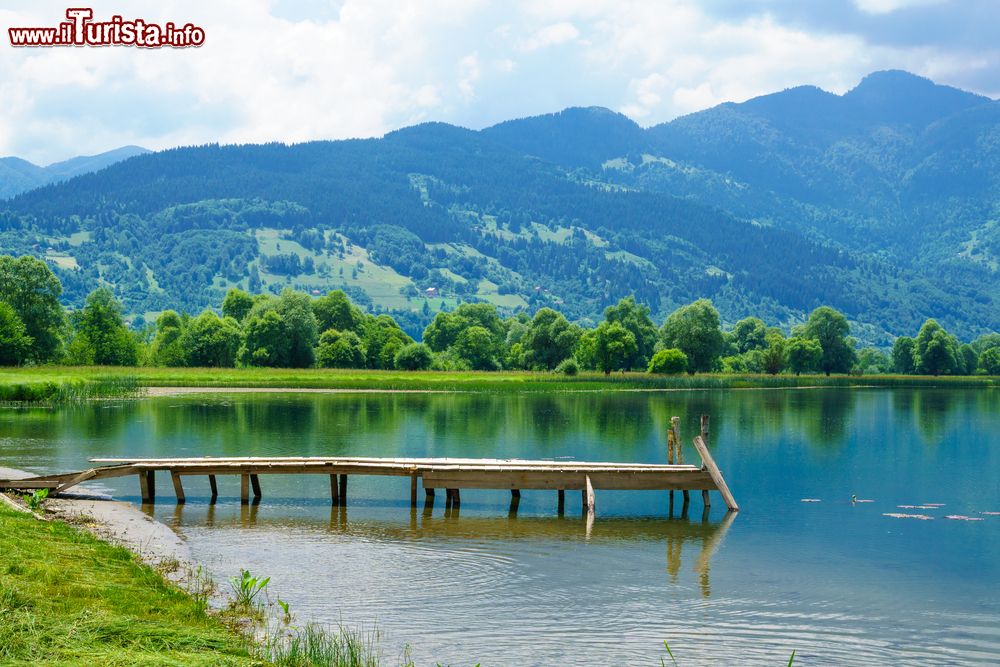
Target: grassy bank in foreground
55, 383
67, 598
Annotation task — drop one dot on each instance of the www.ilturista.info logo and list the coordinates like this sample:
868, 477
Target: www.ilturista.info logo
82, 30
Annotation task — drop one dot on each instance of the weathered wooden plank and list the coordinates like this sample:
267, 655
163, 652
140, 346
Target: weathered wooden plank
178, 488
716, 474
495, 479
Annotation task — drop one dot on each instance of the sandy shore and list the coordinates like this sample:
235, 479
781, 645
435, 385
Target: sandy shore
120, 523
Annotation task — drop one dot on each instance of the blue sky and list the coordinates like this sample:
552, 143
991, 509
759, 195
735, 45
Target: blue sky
287, 70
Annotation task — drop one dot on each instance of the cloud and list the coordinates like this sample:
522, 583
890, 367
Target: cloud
293, 71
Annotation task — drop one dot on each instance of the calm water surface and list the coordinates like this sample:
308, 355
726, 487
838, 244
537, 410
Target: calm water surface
840, 583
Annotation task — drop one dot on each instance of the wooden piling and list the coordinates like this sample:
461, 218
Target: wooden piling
334, 489
244, 489
213, 486
255, 483
562, 502
413, 491
147, 486
178, 488
705, 497
678, 446
456, 498
515, 500
588, 497
343, 490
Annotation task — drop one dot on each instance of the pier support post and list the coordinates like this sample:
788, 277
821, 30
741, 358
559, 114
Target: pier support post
562, 502
705, 498
334, 490
413, 491
708, 463
588, 497
178, 488
343, 490
147, 486
255, 483
515, 500
213, 486
244, 489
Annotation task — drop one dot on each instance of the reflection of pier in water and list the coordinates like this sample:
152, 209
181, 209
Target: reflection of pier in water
676, 531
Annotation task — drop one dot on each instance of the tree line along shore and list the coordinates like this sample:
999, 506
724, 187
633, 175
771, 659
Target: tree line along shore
296, 331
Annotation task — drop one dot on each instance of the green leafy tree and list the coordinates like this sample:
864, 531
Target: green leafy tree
804, 354
296, 311
750, 334
989, 361
549, 339
694, 329
935, 350
872, 361
902, 355
445, 329
15, 343
237, 304
608, 347
382, 340
340, 349
211, 341
101, 332
265, 342
635, 318
335, 311
830, 328
413, 357
773, 356
167, 349
477, 346
29, 287
670, 361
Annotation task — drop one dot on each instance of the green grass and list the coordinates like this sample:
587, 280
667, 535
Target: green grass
52, 382
67, 598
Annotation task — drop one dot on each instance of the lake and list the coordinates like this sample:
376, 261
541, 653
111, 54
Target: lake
839, 582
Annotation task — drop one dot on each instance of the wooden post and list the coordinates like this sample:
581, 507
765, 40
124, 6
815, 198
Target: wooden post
244, 489
178, 488
343, 490
705, 498
147, 486
588, 497
708, 464
255, 483
456, 498
413, 490
670, 445
448, 497
214, 486
334, 490
678, 446
515, 500
562, 501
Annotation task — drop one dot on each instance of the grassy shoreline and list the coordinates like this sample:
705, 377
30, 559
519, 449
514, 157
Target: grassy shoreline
67, 383
69, 598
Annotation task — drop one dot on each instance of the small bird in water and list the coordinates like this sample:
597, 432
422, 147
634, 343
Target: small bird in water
854, 499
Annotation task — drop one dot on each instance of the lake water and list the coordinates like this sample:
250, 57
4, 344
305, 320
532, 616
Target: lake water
838, 582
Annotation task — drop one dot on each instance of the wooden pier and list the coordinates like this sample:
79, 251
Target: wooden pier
450, 474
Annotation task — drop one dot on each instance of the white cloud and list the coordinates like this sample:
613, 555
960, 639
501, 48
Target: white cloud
278, 71
889, 6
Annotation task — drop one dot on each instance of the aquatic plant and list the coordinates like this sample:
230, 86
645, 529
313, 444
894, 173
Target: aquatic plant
247, 587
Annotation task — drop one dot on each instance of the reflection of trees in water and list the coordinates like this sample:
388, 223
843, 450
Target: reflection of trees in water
822, 415
933, 407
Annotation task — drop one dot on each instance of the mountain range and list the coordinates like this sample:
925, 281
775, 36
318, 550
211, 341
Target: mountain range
881, 202
18, 175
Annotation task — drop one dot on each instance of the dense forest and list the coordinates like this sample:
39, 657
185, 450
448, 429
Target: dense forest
296, 330
879, 203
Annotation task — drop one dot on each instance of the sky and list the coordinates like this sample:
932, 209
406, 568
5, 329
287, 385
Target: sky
297, 70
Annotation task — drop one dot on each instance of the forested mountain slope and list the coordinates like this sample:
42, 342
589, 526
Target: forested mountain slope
879, 203
17, 175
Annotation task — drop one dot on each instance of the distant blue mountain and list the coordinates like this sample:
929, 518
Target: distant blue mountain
17, 175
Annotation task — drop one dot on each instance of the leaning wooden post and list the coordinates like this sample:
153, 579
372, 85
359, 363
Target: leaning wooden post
255, 483
708, 464
705, 498
213, 486
178, 488
588, 497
